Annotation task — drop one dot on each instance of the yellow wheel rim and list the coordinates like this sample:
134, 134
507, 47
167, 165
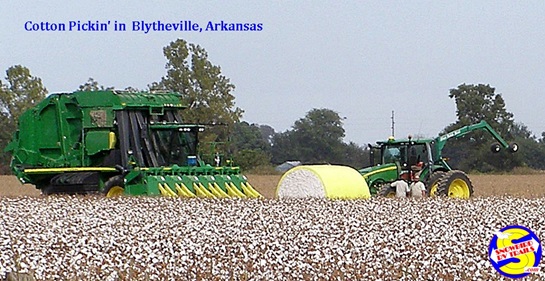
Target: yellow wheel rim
115, 191
458, 189
433, 189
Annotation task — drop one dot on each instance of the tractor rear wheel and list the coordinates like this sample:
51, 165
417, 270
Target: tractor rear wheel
455, 184
114, 186
386, 190
432, 182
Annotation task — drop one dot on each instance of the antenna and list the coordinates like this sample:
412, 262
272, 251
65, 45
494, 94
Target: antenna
393, 124
420, 129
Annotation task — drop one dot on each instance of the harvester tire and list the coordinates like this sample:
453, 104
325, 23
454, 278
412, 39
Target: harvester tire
455, 184
114, 186
386, 190
433, 181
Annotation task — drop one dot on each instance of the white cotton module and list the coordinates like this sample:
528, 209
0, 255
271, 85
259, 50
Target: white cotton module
322, 181
300, 183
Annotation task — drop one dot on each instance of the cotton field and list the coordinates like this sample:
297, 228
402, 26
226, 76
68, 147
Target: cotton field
150, 238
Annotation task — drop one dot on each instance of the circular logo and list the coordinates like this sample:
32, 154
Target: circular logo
515, 251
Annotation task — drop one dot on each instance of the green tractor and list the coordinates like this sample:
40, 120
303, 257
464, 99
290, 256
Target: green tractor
114, 143
405, 158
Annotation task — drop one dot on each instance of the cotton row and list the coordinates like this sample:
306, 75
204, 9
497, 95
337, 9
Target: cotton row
142, 238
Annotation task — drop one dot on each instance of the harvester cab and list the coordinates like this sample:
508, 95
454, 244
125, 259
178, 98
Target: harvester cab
395, 159
118, 143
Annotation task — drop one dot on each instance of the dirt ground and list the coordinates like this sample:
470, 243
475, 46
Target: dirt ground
527, 186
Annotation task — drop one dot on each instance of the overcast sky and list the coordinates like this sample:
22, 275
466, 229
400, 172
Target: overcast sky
362, 59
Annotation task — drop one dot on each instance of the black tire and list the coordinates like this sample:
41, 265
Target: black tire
47, 190
432, 182
113, 182
455, 184
513, 147
386, 190
495, 148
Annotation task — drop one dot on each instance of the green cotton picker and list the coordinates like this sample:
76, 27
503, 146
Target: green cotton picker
115, 143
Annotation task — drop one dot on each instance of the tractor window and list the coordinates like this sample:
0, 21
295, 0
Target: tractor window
404, 154
418, 153
393, 154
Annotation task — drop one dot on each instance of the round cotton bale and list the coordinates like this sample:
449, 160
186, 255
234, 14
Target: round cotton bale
322, 181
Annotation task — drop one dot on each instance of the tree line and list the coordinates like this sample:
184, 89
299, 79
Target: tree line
315, 138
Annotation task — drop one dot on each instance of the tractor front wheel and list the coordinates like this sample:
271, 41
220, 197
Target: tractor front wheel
386, 190
455, 184
114, 186
433, 181
375, 187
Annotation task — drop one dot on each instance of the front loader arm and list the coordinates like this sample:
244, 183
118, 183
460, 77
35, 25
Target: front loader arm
483, 125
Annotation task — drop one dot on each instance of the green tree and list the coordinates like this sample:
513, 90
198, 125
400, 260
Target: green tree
6, 133
480, 102
93, 85
248, 147
203, 86
532, 152
20, 92
246, 136
248, 159
317, 138
284, 147
355, 156
471, 152
132, 89
267, 133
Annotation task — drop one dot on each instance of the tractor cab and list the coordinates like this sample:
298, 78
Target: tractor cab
397, 159
404, 153
175, 144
